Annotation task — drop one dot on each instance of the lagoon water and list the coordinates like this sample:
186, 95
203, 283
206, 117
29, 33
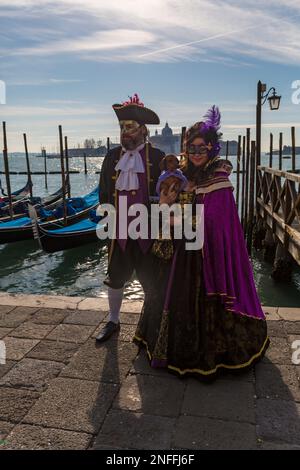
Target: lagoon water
24, 268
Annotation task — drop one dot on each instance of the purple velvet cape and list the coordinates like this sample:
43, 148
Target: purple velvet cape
227, 268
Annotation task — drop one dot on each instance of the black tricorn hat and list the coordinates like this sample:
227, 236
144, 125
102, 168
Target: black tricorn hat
134, 110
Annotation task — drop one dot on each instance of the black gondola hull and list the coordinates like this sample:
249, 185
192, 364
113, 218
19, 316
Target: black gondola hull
52, 243
16, 234
48, 202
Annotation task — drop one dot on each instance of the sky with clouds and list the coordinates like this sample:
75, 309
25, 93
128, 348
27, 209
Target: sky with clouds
67, 61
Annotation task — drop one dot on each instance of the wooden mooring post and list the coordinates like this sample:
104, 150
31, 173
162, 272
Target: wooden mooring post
182, 137
6, 168
251, 197
280, 150
44, 153
293, 148
27, 164
246, 193
85, 165
63, 178
238, 166
243, 181
67, 167
271, 151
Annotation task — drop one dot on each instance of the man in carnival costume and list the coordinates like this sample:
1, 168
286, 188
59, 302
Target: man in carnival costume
130, 170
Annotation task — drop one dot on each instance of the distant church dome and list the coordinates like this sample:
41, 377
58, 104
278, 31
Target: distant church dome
167, 131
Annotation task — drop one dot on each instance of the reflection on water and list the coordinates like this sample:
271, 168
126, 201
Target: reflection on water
75, 272
274, 293
24, 268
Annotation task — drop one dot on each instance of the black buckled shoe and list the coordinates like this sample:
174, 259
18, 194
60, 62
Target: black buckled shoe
109, 329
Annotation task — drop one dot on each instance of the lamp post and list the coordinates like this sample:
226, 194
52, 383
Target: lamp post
274, 103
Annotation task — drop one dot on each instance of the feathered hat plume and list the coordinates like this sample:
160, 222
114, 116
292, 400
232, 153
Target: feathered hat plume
212, 119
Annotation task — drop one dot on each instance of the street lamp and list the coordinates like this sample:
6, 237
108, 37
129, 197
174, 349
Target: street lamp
274, 102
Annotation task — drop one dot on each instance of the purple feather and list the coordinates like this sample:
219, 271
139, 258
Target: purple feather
212, 119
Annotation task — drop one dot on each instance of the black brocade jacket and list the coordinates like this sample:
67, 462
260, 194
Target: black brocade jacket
108, 173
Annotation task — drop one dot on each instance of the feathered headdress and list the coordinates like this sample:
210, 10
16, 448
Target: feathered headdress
134, 109
133, 100
212, 120
210, 125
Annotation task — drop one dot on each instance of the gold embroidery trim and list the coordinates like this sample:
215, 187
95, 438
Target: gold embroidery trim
207, 372
214, 187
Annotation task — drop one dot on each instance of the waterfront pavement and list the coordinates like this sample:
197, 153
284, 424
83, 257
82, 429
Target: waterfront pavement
58, 390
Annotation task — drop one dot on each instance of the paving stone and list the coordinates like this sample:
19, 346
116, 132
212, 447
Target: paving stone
40, 301
85, 317
32, 374
193, 432
111, 390
239, 375
50, 316
72, 333
222, 399
27, 437
14, 404
292, 327
129, 318
276, 328
277, 381
278, 420
32, 330
271, 313
100, 447
132, 306
6, 308
151, 395
5, 429
4, 332
275, 446
278, 352
141, 365
54, 351
4, 368
126, 333
92, 303
128, 430
16, 348
297, 369
76, 405
289, 314
17, 316
108, 362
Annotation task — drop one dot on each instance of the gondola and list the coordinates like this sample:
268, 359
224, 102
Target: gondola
59, 239
20, 208
78, 208
16, 195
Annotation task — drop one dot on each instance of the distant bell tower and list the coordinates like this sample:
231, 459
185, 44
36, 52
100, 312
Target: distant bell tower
168, 139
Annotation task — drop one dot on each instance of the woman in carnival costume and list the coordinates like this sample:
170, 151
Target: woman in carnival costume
203, 316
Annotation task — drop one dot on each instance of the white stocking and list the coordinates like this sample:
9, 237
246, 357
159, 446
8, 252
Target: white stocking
115, 297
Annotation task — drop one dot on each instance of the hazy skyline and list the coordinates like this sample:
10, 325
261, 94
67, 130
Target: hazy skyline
66, 62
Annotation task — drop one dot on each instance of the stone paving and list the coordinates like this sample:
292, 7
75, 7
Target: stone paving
59, 390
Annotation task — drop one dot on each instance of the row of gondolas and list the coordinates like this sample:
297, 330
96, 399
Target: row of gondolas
58, 222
